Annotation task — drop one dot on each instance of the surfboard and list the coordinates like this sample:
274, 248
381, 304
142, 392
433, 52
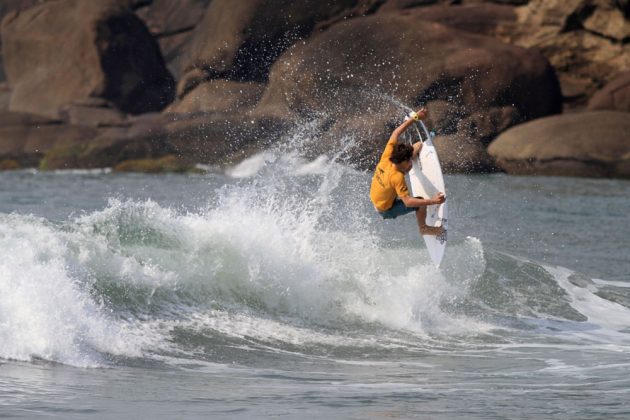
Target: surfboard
426, 180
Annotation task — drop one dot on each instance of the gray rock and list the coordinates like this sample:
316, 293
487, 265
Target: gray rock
10, 7
584, 40
172, 24
210, 138
593, 144
93, 116
219, 96
370, 67
26, 138
240, 40
480, 18
5, 96
61, 51
614, 96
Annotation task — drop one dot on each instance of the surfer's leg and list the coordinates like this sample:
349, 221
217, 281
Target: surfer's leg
421, 217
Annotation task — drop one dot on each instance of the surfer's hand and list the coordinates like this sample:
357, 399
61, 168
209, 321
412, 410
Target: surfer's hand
438, 198
421, 113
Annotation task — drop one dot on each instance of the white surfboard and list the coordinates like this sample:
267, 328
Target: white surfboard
427, 180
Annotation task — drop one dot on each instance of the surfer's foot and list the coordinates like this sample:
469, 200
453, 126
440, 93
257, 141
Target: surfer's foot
430, 230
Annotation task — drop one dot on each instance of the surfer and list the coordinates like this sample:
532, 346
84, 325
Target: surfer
389, 192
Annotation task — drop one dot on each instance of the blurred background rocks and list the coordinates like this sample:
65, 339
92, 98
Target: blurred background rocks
99, 83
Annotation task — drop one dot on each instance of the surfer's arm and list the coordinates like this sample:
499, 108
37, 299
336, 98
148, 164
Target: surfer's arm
409, 201
422, 112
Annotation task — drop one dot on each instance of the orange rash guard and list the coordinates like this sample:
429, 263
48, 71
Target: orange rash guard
388, 182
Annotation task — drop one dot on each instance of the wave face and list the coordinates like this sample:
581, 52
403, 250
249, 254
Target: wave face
282, 259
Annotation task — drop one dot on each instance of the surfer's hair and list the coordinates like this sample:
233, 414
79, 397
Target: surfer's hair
402, 153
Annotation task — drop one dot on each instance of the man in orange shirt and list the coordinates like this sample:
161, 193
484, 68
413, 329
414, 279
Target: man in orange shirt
389, 192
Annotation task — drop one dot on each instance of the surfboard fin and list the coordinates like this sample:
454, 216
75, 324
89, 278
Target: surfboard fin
442, 237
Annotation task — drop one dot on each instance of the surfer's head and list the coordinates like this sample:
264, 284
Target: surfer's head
401, 157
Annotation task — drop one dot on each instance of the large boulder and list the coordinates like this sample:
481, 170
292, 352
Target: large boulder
5, 96
480, 18
240, 40
593, 144
93, 112
67, 50
172, 24
585, 41
614, 96
219, 96
360, 73
6, 7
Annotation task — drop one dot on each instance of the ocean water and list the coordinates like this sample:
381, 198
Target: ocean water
272, 289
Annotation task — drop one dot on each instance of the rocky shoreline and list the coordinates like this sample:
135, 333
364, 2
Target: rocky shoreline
527, 87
